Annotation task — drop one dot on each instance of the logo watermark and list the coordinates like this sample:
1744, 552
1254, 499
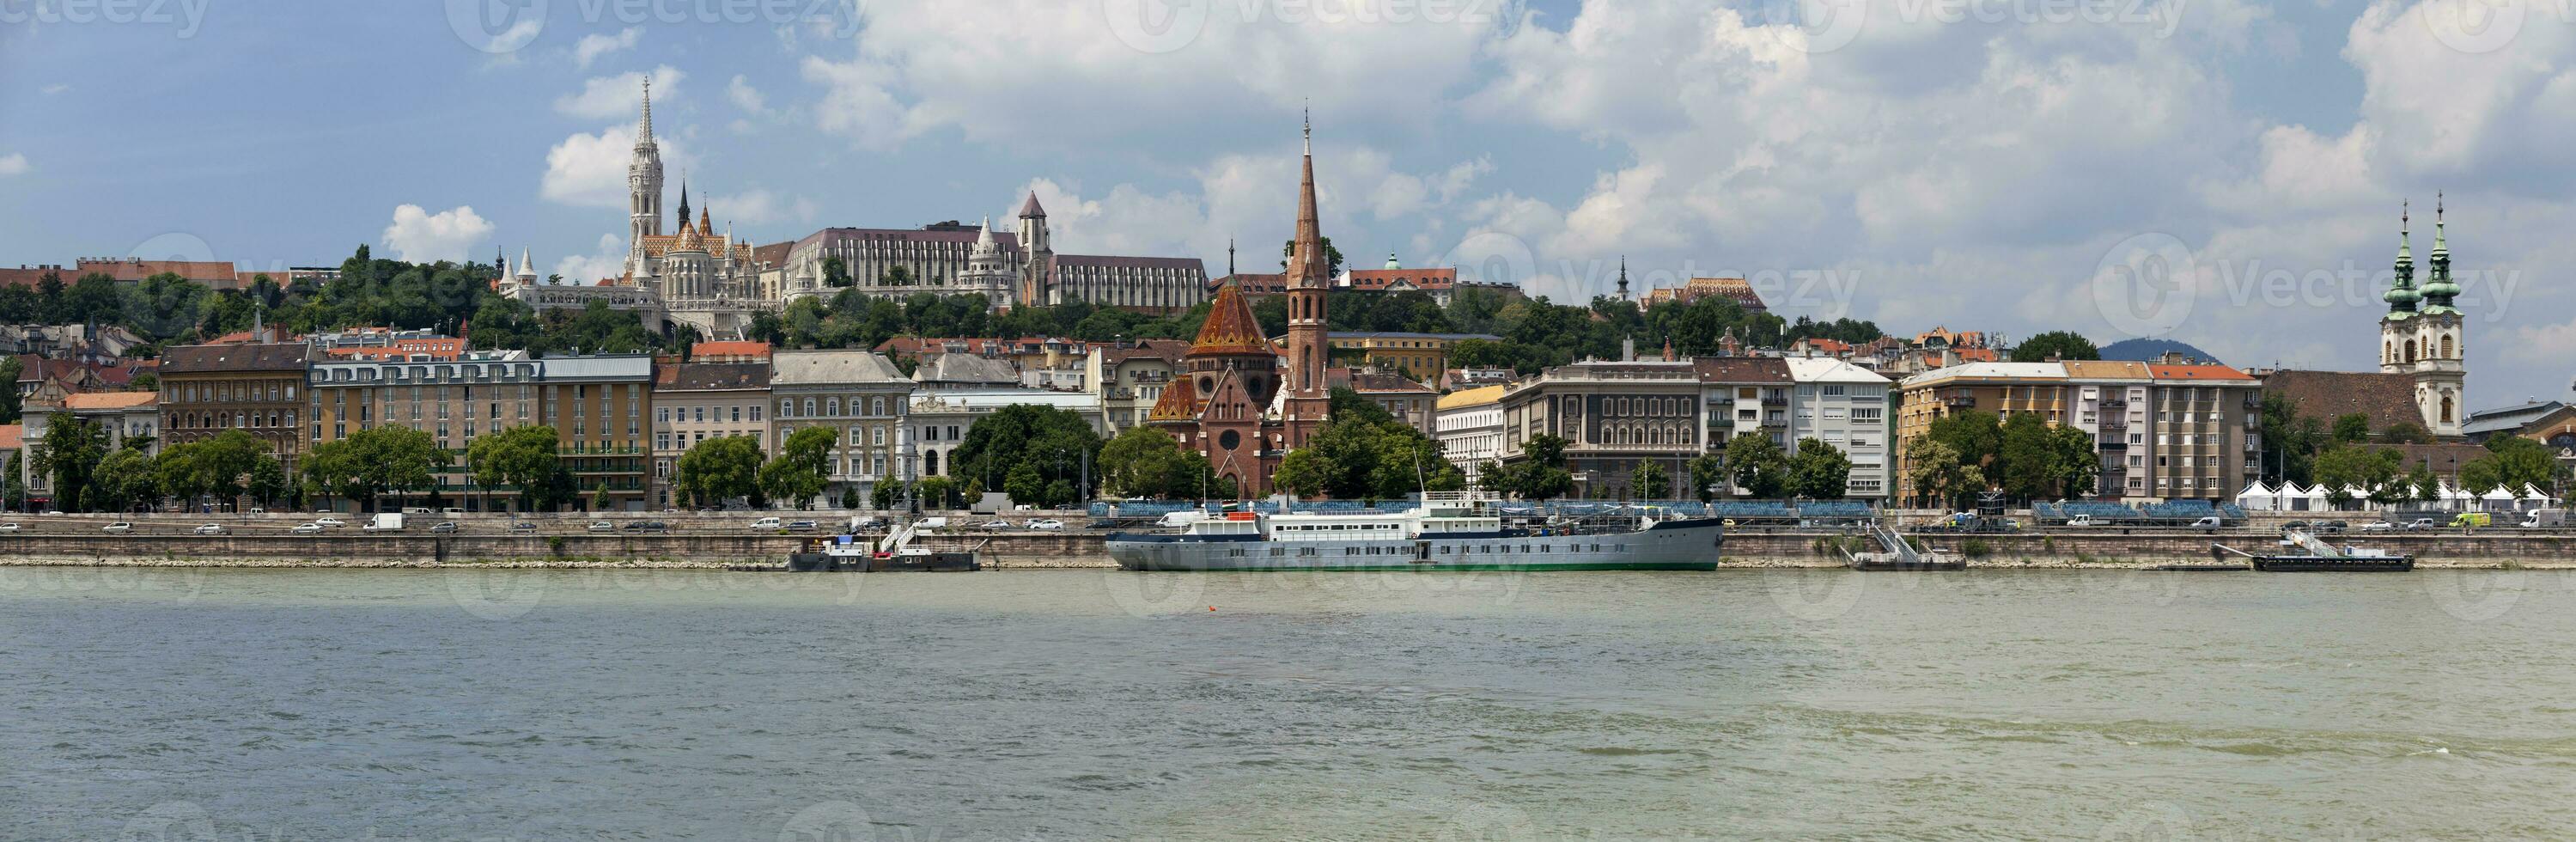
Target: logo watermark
507, 26
2150, 284
184, 17
1165, 26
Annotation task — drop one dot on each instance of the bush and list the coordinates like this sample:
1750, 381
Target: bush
1976, 548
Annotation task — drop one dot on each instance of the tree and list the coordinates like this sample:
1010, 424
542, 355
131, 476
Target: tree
2027, 462
2511, 463
2075, 461
10, 370
1054, 443
1708, 475
719, 469
1302, 473
69, 453
850, 497
1756, 464
1145, 462
2058, 344
2344, 468
1820, 471
1025, 485
885, 495
268, 483
936, 493
836, 272
1977, 437
1650, 481
2406, 432
797, 474
1938, 474
125, 481
2290, 440
373, 462
523, 457
2351, 428
1332, 259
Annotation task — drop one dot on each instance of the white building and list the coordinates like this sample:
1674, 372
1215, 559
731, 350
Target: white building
1845, 406
1468, 424
938, 420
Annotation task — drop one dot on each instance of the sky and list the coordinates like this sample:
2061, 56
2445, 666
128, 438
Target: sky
2227, 173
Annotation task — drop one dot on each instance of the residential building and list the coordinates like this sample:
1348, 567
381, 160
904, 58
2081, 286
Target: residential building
1614, 416
1744, 396
1403, 397
126, 417
938, 421
1441, 284
2111, 405
697, 401
1469, 378
1844, 406
1130, 376
1999, 388
2165, 431
735, 351
1426, 354
1468, 424
598, 406
2206, 431
255, 387
860, 396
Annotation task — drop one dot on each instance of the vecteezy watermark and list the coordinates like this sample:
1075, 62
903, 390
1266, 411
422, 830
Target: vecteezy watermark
2149, 284
1163, 26
503, 593
1823, 26
830, 821
184, 17
2485, 26
507, 26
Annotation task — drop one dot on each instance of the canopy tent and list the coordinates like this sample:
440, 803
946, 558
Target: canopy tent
2496, 499
2534, 498
2256, 498
2296, 499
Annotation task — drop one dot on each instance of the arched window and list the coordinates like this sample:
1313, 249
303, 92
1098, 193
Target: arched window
832, 406
809, 406
2410, 350
876, 406
2446, 407
2448, 351
787, 408
930, 463
2388, 352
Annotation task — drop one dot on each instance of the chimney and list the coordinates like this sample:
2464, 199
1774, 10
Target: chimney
1628, 349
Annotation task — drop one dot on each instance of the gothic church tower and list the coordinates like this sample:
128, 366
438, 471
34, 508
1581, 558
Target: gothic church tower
644, 189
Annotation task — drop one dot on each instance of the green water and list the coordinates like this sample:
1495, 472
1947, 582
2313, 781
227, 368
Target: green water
290, 705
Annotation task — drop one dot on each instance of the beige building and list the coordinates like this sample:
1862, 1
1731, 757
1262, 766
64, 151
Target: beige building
694, 402
598, 407
1613, 416
1468, 424
860, 396
1129, 377
2163, 431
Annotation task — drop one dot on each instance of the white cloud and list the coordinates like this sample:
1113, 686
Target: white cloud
589, 170
606, 260
595, 45
419, 236
746, 97
621, 95
14, 163
759, 208
56, 89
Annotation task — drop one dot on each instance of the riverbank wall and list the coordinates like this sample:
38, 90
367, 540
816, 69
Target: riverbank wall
2488, 549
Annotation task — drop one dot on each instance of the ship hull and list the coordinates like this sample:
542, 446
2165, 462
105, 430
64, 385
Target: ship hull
1671, 545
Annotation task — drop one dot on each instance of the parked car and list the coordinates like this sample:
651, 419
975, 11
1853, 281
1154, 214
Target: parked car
120, 527
800, 526
602, 526
309, 528
1049, 524
9, 527
643, 526
211, 529
2330, 527
522, 526
931, 522
2208, 523
994, 524
328, 522
2297, 525
1023, 507
443, 526
2379, 526
766, 523
2420, 523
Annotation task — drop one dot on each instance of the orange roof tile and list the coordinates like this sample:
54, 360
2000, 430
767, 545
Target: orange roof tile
13, 436
2196, 372
1180, 402
108, 400
1230, 328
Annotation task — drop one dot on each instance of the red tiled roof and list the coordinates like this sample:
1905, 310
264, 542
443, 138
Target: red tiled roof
734, 348
13, 436
1378, 280
108, 400
1230, 328
2161, 371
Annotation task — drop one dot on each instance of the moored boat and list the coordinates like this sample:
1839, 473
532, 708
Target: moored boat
2317, 556
1449, 531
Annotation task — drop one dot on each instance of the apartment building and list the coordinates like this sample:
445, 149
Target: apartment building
1845, 406
256, 387
1614, 416
1999, 388
694, 402
1744, 396
2206, 424
2164, 431
2111, 406
598, 407
1468, 425
860, 396
1129, 377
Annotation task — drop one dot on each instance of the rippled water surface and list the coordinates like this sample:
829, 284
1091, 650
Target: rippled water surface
289, 705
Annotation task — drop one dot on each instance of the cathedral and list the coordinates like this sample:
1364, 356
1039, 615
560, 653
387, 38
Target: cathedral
2423, 334
1236, 399
704, 279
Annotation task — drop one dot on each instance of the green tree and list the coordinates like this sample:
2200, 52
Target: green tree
522, 457
1757, 465
2075, 462
1651, 481
374, 462
2290, 440
2406, 432
2511, 462
937, 493
718, 470
1938, 473
1708, 476
2064, 345
10, 370
125, 481
1977, 437
1820, 471
799, 472
268, 483
1332, 259
1145, 462
2351, 428
836, 273
2374, 472
2027, 463
1302, 473
69, 453
1055, 443
1025, 485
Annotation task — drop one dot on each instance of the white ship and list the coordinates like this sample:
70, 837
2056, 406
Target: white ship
1449, 531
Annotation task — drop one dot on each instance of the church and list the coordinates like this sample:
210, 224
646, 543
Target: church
2423, 354
1239, 400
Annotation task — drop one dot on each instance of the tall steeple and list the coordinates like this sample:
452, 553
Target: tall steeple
684, 198
1310, 269
1309, 399
643, 188
2401, 295
1623, 277
644, 124
2439, 289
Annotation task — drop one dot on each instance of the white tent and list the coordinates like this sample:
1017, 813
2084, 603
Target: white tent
2534, 498
2296, 499
2496, 500
2256, 498
2359, 496
2456, 499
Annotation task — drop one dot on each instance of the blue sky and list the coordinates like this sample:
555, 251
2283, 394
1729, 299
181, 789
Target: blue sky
2009, 166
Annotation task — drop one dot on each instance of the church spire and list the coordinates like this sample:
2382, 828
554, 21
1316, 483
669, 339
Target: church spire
2401, 295
2439, 289
1623, 277
684, 199
644, 124
1312, 270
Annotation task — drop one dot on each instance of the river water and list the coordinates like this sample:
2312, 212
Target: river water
342, 704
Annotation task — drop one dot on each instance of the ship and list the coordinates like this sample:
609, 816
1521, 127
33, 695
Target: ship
1447, 531
2319, 557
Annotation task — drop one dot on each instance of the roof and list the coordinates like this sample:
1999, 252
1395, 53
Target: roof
1830, 370
2203, 371
109, 400
796, 368
1380, 280
1378, 382
1464, 398
1167, 350
1990, 371
1230, 328
1738, 290
2515, 417
1180, 402
963, 235
735, 348
1254, 283
256, 356
965, 368
1123, 262
1030, 207
2385, 398
13, 436
710, 376
1742, 369
2107, 370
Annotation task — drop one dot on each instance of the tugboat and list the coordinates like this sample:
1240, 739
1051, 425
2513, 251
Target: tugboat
1895, 553
1450, 530
2319, 557
895, 552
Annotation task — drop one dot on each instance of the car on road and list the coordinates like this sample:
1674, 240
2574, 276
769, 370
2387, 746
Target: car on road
328, 522
443, 526
119, 527
800, 526
2420, 523
522, 526
766, 523
1048, 524
645, 526
2379, 526
996, 523
309, 528
602, 526
9, 527
210, 529
2208, 523
2330, 527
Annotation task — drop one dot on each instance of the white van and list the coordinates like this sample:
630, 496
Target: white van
765, 523
2544, 519
1184, 517
931, 522
415, 510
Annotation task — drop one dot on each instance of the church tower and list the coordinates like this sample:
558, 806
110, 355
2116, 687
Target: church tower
644, 189
1037, 256
986, 272
1309, 274
2397, 350
2442, 373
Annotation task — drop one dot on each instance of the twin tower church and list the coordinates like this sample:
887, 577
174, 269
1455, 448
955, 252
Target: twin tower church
2423, 335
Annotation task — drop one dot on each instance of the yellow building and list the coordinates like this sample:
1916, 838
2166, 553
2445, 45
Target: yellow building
1419, 355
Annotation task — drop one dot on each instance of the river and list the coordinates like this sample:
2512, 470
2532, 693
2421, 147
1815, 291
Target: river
341, 704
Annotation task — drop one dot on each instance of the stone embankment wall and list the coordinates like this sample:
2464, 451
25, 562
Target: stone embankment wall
413, 550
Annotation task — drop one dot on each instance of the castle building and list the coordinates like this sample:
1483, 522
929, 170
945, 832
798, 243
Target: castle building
1232, 400
1008, 268
2423, 334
